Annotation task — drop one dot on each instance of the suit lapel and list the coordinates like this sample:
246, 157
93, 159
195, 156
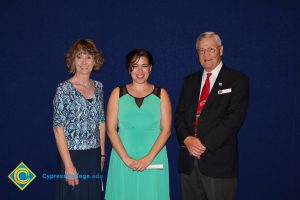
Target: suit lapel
196, 92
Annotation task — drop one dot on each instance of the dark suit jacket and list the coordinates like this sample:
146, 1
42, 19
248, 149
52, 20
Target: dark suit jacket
219, 123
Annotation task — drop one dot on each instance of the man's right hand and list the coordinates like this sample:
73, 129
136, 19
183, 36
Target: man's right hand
194, 146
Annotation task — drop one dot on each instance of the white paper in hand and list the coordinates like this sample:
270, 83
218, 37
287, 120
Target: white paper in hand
155, 166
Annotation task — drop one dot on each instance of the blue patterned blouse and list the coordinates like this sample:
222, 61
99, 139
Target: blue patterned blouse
79, 117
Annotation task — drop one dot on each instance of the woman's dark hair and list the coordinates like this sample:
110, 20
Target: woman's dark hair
134, 56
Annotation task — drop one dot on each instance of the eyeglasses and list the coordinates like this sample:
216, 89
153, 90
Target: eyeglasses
210, 50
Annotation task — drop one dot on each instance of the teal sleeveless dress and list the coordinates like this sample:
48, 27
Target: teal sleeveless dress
138, 128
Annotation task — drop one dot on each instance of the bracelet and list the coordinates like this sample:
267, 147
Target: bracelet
104, 155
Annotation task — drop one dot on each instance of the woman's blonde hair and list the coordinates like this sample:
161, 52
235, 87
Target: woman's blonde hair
85, 46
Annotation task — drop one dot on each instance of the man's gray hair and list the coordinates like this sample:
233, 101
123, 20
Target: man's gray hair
209, 35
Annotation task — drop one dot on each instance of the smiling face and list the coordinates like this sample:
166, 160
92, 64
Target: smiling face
84, 63
209, 53
140, 70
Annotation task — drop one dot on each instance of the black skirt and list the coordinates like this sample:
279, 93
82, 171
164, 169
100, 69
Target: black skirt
87, 164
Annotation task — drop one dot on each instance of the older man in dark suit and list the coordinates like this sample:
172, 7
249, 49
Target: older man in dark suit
211, 110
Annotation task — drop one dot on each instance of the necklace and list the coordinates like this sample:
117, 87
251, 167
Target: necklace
86, 85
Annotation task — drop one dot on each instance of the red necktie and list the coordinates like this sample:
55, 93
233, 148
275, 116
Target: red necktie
202, 101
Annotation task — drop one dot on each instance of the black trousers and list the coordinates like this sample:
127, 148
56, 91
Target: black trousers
197, 186
87, 163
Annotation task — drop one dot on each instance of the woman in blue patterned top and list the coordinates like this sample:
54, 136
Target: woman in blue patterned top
79, 125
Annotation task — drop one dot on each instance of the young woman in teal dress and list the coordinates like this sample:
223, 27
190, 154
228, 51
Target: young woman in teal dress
138, 120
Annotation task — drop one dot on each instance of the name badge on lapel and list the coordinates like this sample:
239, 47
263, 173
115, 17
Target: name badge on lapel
224, 91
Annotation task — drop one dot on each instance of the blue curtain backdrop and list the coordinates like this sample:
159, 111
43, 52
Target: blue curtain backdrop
261, 38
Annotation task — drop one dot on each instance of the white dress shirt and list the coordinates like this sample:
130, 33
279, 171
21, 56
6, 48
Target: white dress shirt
212, 78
